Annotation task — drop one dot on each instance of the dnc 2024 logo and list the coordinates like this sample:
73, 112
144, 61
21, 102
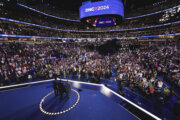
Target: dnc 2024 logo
104, 7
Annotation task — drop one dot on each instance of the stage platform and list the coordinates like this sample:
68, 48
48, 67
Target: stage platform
92, 102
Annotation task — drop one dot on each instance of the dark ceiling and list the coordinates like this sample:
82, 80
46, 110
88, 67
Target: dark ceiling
73, 5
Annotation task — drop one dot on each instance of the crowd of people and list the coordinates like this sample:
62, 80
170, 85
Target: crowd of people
11, 28
152, 8
137, 68
45, 60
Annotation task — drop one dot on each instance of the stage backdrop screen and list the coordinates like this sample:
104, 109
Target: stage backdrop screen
105, 7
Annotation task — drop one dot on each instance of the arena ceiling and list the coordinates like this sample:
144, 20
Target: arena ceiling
73, 5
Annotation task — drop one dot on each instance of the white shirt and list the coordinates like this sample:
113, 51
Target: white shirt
140, 74
152, 80
121, 75
160, 84
144, 80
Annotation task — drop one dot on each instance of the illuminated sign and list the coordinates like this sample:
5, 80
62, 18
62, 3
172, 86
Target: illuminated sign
97, 8
106, 7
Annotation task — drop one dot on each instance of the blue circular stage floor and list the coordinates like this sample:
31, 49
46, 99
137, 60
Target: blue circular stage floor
23, 104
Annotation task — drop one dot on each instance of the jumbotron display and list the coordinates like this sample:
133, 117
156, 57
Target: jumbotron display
102, 13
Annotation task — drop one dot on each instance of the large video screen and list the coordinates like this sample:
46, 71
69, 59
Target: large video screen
104, 22
106, 7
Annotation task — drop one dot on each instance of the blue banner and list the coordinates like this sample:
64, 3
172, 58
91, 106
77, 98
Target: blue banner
40, 37
104, 22
24, 36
